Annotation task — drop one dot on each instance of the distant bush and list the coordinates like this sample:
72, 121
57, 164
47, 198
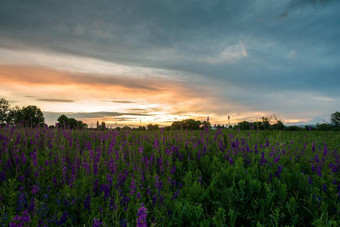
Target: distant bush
293, 128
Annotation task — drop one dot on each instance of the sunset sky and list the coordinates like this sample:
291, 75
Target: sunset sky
126, 61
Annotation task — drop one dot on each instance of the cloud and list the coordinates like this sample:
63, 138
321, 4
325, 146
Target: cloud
123, 101
55, 100
229, 55
186, 57
297, 4
45, 76
100, 114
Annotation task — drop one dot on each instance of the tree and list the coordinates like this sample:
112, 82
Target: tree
177, 125
103, 125
335, 119
152, 127
189, 124
266, 122
244, 125
31, 116
278, 125
65, 122
4, 111
206, 124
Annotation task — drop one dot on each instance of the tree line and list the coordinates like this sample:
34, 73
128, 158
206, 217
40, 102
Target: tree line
28, 116
32, 116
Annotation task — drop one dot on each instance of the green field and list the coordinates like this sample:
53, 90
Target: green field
183, 178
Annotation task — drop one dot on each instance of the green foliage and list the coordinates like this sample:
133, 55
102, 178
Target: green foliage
29, 116
324, 127
184, 178
4, 111
244, 125
152, 127
335, 119
188, 124
65, 122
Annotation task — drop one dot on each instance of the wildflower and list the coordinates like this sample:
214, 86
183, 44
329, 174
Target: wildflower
141, 214
324, 187
21, 220
96, 222
310, 180
279, 170
63, 218
34, 157
35, 189
175, 195
262, 160
87, 202
64, 171
231, 161
132, 187
158, 183
318, 171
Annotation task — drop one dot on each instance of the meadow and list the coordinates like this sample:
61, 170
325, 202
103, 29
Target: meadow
51, 177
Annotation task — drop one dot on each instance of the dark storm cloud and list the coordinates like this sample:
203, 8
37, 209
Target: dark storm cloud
246, 51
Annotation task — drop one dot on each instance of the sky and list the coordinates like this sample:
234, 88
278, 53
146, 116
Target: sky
132, 62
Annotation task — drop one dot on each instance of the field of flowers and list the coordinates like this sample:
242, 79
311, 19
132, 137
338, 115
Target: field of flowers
52, 177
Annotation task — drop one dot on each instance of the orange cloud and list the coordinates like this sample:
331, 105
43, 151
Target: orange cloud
86, 92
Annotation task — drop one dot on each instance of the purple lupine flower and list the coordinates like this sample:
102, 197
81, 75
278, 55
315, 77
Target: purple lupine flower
64, 171
267, 142
173, 170
310, 180
95, 168
325, 150
34, 157
277, 159
231, 161
154, 199
63, 218
324, 187
2, 176
141, 214
35, 189
87, 202
132, 187
140, 150
19, 221
158, 183
318, 171
96, 222
109, 178
175, 195
106, 189
262, 160
279, 170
